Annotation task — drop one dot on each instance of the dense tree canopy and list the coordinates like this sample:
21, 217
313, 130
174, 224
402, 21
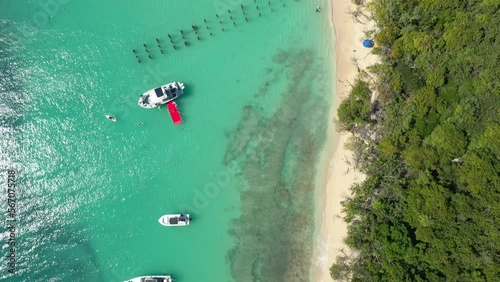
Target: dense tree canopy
356, 108
429, 209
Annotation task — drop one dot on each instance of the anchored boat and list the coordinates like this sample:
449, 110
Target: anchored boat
111, 118
155, 278
161, 95
174, 220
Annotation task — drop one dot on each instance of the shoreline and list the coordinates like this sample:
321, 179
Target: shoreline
337, 175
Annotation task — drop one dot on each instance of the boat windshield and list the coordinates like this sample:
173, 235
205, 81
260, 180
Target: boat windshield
158, 92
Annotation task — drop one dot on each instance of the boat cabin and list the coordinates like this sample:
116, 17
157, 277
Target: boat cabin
167, 92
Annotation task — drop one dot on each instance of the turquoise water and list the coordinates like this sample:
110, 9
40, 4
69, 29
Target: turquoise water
243, 163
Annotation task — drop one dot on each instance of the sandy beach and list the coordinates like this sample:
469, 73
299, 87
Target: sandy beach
349, 35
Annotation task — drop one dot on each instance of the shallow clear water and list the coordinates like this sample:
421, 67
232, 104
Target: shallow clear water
243, 163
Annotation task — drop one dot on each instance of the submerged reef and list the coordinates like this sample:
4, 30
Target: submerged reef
277, 157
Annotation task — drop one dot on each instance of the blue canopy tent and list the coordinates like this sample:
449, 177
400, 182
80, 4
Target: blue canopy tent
368, 43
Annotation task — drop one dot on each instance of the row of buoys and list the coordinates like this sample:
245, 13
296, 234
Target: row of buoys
196, 30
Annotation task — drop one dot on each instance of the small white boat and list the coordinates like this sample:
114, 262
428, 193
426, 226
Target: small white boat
154, 278
111, 118
174, 220
161, 95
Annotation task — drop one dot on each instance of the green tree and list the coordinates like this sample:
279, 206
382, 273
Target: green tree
355, 110
428, 209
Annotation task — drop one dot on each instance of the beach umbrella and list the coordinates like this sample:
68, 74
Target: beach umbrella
368, 43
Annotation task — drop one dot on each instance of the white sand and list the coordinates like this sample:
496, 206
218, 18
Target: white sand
340, 176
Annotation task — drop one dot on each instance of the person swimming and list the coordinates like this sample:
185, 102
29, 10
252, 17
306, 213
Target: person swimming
318, 9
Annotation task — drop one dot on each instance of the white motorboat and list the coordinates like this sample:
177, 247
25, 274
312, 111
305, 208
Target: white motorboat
154, 278
174, 220
161, 95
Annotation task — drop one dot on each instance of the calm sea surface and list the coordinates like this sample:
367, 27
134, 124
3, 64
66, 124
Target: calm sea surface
243, 163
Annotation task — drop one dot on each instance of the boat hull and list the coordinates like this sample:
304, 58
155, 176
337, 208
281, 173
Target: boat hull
161, 95
175, 220
154, 278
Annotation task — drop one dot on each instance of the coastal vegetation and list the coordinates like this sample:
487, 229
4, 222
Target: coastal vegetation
428, 209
